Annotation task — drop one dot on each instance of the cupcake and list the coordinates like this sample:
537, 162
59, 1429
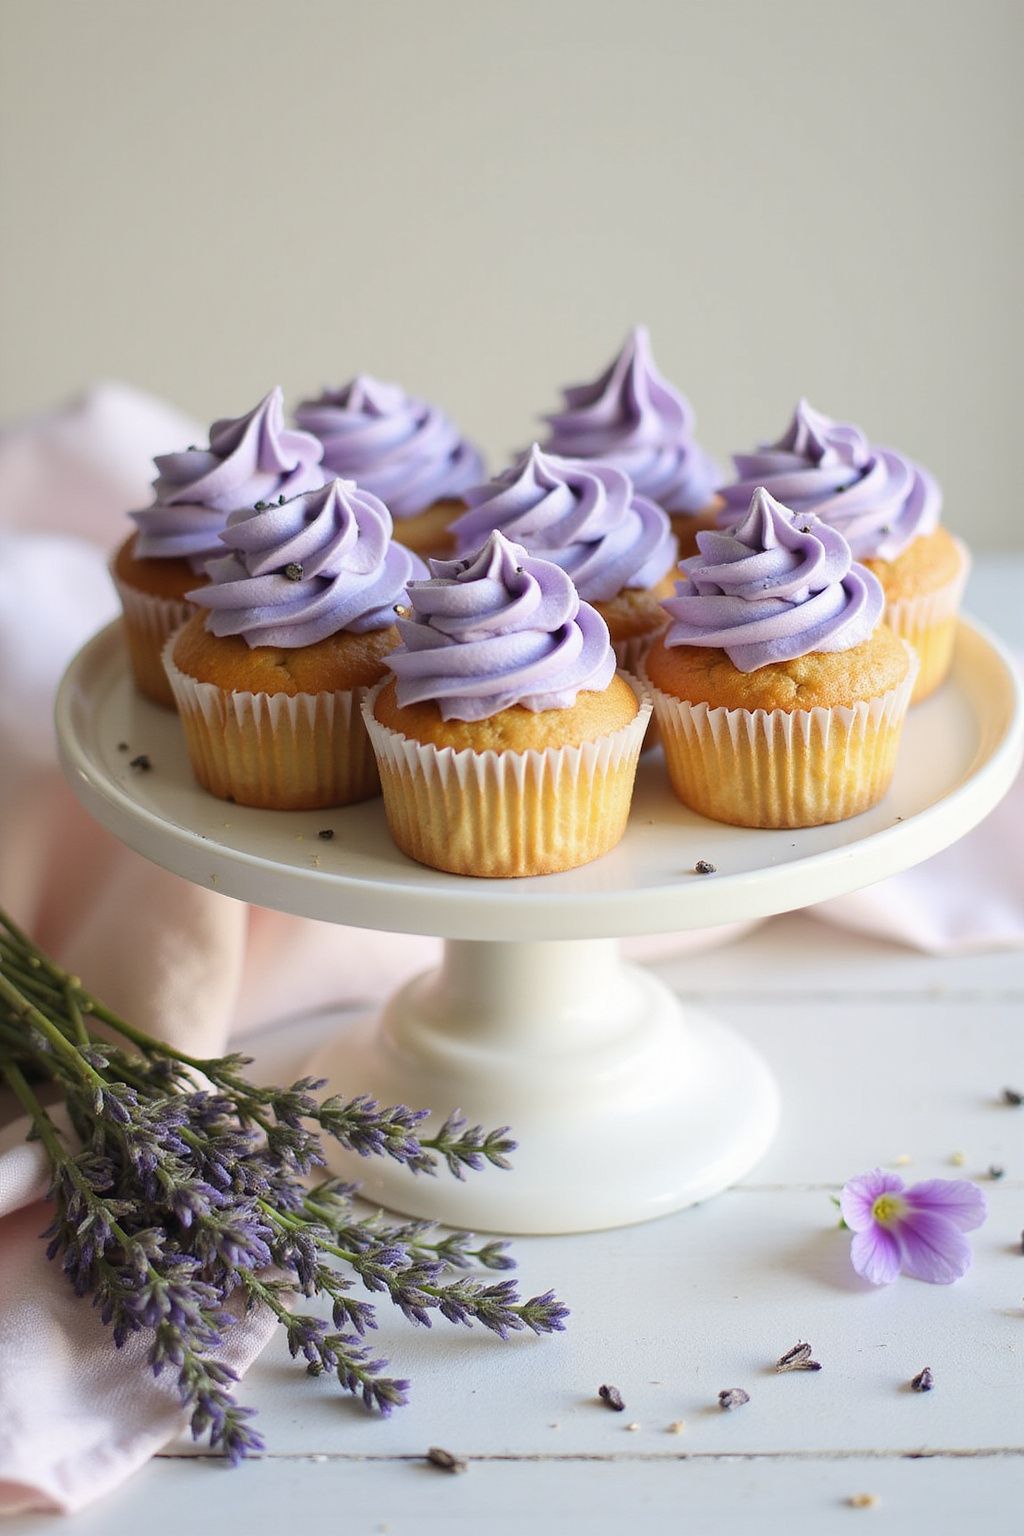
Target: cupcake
633, 418
403, 450
250, 458
585, 517
295, 624
780, 693
507, 743
886, 507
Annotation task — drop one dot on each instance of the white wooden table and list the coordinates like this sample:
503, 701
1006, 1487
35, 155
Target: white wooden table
882, 1055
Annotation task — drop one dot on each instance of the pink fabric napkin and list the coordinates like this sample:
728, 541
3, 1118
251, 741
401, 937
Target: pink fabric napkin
75, 1418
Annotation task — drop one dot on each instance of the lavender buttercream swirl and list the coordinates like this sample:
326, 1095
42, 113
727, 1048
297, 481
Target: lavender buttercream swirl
635, 419
403, 449
499, 628
304, 569
780, 585
584, 516
250, 458
878, 499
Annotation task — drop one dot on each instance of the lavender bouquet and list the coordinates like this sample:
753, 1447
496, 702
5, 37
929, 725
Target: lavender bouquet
187, 1187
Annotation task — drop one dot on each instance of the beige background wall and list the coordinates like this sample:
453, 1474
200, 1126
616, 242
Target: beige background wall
208, 196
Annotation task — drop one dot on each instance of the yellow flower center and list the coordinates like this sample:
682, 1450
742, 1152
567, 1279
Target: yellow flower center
887, 1209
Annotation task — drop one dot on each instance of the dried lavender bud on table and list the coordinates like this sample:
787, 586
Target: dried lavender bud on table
611, 1397
797, 1359
445, 1461
733, 1397
923, 1381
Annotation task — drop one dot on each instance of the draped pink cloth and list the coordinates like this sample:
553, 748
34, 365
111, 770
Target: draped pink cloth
188, 964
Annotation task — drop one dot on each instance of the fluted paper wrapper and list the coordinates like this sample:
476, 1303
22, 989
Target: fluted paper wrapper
278, 751
149, 621
929, 623
629, 657
629, 653
783, 768
505, 814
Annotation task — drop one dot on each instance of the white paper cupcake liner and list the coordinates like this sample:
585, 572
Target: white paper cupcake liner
783, 768
629, 657
278, 751
929, 623
629, 653
505, 814
149, 621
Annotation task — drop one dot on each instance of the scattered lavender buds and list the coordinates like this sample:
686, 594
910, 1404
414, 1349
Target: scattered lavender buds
733, 1397
187, 1185
611, 1397
704, 867
293, 571
325, 834
995, 1172
445, 1461
1013, 1098
797, 1359
923, 1381
142, 763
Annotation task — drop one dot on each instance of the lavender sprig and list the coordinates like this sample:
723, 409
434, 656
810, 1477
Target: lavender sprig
188, 1200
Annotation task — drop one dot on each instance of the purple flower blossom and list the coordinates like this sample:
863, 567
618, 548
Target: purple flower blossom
919, 1230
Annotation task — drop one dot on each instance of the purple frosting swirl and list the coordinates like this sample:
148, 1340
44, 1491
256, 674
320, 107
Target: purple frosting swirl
250, 458
402, 449
497, 629
780, 585
879, 500
584, 516
636, 420
304, 569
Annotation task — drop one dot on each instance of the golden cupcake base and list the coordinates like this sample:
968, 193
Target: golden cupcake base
275, 751
507, 814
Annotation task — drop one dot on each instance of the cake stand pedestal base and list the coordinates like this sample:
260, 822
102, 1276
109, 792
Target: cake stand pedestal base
626, 1102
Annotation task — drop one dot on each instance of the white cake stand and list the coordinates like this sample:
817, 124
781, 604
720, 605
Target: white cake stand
627, 1103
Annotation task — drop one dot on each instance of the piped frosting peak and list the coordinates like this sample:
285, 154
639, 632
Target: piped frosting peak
778, 586
498, 628
583, 515
300, 570
250, 458
634, 418
403, 449
878, 499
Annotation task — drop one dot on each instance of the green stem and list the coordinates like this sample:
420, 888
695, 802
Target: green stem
321, 1214
45, 1128
22, 1008
27, 979
67, 984
77, 1022
256, 1289
58, 1153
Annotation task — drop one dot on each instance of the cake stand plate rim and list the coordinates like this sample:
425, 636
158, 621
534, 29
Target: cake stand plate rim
94, 696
